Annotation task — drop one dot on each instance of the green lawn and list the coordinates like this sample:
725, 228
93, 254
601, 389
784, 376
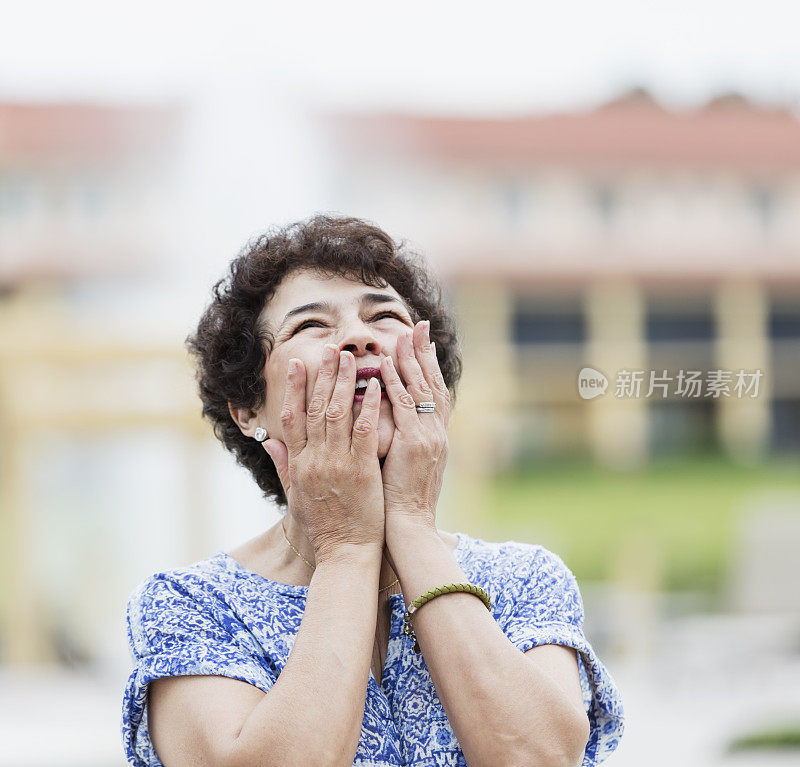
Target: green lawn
686, 509
779, 737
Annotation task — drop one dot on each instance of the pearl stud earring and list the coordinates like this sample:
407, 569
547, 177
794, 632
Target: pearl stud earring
260, 435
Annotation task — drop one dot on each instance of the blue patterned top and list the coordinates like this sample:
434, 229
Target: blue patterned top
217, 617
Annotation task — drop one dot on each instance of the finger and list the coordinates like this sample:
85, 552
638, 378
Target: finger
365, 428
339, 415
404, 409
426, 357
280, 457
320, 397
293, 412
416, 383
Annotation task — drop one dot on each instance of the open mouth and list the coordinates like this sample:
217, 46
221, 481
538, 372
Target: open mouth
361, 386
362, 379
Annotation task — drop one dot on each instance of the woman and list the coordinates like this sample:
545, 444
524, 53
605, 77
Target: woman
305, 645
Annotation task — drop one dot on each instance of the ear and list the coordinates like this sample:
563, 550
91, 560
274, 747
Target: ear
244, 418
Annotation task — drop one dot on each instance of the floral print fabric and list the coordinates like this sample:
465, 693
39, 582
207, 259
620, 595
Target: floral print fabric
217, 617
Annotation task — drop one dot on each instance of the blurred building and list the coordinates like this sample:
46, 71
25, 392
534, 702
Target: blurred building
83, 216
80, 190
625, 238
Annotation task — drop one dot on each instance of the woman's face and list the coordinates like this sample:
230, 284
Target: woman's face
358, 318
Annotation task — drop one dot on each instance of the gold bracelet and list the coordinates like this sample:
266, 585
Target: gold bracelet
450, 588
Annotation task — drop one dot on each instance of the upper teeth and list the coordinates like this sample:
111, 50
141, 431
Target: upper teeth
362, 382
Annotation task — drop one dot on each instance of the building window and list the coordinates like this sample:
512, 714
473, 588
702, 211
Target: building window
784, 324
91, 196
536, 324
546, 432
512, 195
14, 197
764, 203
786, 425
679, 426
676, 325
605, 201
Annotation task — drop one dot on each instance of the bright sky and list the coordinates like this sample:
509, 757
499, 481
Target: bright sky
498, 56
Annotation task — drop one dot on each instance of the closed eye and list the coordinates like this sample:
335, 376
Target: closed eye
319, 323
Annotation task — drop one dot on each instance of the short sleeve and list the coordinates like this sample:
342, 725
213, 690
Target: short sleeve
177, 629
545, 607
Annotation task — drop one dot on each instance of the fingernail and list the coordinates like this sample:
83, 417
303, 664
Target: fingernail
427, 326
433, 348
390, 362
266, 447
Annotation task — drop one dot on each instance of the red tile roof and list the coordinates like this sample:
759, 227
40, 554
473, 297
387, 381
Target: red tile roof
83, 131
728, 133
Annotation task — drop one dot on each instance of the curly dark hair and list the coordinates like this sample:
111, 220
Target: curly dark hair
230, 346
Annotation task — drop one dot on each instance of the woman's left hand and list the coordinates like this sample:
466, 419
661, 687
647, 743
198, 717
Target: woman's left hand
414, 466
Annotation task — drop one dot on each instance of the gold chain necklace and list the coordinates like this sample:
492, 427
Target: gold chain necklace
314, 568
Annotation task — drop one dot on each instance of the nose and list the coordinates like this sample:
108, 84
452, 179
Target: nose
359, 339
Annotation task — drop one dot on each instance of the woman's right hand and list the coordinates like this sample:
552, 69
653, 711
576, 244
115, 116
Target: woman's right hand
329, 466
